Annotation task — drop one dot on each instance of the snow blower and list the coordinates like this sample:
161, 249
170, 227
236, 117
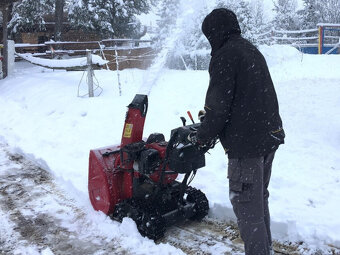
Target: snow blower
137, 178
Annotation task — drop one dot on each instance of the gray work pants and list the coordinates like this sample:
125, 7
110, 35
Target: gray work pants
248, 193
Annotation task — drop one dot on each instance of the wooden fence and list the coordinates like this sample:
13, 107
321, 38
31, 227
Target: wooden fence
127, 53
313, 41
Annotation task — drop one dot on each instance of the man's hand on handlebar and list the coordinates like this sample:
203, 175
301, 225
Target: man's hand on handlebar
192, 138
201, 115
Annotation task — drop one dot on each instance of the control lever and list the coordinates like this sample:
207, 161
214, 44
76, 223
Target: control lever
190, 116
184, 121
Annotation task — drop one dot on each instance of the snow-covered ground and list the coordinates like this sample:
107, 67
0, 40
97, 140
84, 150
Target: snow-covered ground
42, 117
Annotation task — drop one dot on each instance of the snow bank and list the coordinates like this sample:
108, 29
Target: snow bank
279, 54
41, 114
287, 63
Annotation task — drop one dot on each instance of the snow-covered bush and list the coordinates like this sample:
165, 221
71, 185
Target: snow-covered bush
28, 15
110, 18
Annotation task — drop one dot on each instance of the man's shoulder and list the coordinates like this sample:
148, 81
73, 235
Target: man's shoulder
244, 49
235, 46
227, 51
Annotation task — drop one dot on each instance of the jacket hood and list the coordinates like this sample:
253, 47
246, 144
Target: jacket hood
218, 26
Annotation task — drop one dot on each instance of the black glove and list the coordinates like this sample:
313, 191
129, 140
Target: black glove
201, 115
192, 137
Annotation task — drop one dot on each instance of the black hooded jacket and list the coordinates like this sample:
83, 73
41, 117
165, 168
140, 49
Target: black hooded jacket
241, 104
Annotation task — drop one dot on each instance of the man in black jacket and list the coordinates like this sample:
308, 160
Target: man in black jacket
242, 111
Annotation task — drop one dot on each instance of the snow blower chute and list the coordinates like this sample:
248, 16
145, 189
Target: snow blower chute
137, 178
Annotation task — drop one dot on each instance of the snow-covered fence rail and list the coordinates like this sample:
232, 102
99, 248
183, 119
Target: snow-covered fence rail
281, 36
74, 47
308, 40
64, 64
292, 36
131, 53
29, 46
131, 43
88, 63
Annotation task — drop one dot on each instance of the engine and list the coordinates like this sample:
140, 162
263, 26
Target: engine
177, 156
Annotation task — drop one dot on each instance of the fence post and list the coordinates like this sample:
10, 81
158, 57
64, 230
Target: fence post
89, 72
102, 52
321, 38
10, 57
118, 75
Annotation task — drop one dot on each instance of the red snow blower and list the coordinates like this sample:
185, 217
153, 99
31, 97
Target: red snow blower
137, 178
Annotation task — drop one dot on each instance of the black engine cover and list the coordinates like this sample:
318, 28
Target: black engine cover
149, 161
186, 158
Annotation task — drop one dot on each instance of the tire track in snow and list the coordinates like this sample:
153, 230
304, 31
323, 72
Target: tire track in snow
205, 237
38, 213
210, 237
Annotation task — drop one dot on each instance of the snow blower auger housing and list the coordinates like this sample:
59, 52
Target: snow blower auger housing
137, 178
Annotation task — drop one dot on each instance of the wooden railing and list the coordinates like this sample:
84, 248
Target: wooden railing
78, 48
125, 53
300, 39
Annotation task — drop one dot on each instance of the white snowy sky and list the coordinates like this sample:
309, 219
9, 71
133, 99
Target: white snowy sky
150, 19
